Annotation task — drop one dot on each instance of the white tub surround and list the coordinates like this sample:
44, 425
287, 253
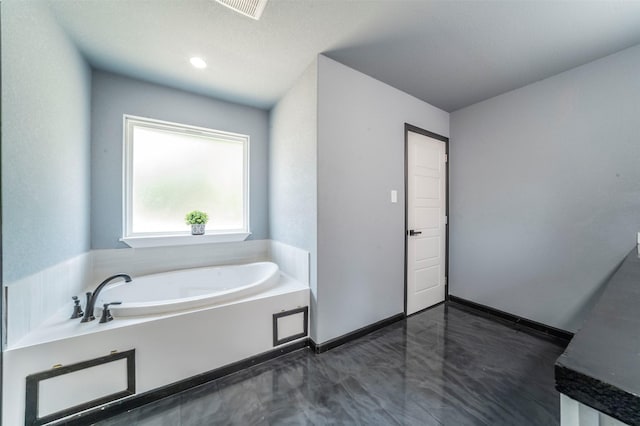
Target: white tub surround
168, 347
291, 260
32, 300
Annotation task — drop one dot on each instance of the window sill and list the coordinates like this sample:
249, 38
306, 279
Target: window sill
183, 240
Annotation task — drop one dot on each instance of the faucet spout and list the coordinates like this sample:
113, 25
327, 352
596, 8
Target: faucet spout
93, 297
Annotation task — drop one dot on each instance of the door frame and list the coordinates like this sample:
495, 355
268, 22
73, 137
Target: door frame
411, 128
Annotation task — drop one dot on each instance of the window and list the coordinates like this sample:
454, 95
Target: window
171, 169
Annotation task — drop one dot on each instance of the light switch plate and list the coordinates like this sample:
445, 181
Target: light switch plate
394, 199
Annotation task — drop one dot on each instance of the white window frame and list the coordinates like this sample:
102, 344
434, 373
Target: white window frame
155, 239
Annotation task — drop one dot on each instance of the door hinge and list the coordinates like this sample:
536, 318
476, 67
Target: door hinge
446, 220
445, 280
446, 158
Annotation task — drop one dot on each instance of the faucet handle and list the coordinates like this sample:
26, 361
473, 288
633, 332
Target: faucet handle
77, 310
106, 314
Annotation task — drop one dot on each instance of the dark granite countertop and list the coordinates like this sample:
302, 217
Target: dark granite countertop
601, 365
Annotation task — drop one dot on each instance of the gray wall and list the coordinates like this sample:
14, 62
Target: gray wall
114, 95
360, 160
45, 142
545, 191
293, 172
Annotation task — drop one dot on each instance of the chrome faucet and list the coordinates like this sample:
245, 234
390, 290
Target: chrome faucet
93, 297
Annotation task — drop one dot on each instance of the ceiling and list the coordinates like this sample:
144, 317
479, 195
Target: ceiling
450, 54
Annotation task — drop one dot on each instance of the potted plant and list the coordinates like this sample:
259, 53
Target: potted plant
197, 220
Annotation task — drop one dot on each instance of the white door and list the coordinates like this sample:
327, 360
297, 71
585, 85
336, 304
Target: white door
426, 221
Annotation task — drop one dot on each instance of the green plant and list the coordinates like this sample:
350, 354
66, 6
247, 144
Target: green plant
196, 217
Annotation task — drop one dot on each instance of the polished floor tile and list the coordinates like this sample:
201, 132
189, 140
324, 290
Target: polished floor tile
444, 366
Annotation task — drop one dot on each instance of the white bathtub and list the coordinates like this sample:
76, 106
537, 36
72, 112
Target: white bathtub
188, 289
201, 340
169, 347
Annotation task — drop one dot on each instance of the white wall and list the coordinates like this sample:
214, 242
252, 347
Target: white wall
45, 166
545, 191
360, 232
45, 142
293, 172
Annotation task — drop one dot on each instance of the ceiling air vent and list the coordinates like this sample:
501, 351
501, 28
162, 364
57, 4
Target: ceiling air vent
251, 8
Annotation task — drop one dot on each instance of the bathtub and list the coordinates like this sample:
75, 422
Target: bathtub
211, 327
169, 347
188, 289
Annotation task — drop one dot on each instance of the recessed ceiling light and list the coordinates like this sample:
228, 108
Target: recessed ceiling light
198, 62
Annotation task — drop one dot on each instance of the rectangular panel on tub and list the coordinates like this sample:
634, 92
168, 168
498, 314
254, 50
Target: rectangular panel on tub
290, 325
66, 390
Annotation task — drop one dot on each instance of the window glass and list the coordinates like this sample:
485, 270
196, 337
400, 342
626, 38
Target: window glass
172, 171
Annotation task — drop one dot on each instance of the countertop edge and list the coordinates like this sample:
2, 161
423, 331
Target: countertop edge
594, 369
597, 394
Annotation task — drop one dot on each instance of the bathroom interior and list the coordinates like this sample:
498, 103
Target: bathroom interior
535, 105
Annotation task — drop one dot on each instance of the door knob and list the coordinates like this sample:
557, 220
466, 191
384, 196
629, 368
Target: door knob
412, 232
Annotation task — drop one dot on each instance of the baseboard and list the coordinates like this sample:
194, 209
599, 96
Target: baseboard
124, 405
530, 324
330, 344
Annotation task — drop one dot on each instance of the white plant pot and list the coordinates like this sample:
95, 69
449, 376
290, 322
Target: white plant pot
197, 229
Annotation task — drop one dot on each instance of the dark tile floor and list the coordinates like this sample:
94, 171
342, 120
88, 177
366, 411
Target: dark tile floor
445, 366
